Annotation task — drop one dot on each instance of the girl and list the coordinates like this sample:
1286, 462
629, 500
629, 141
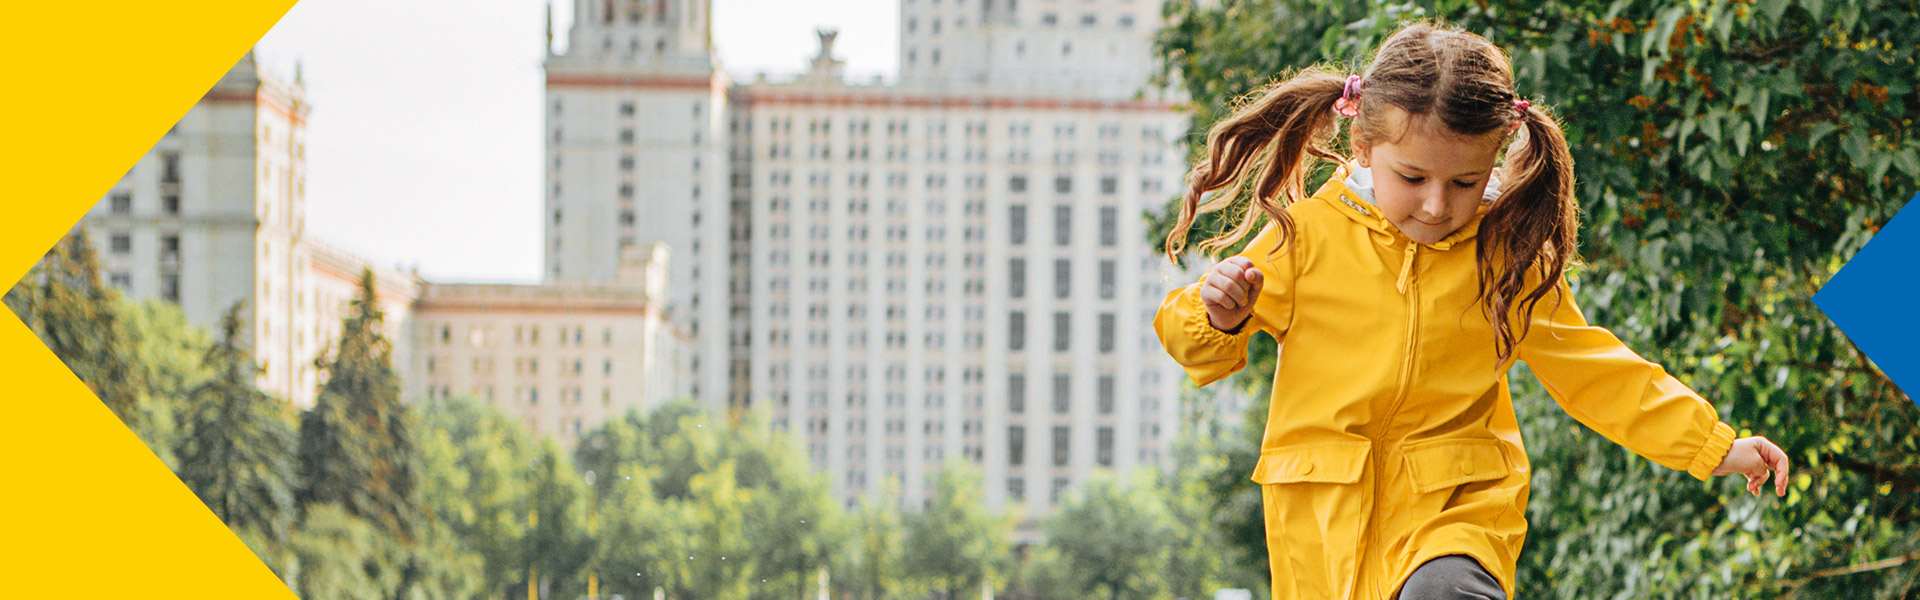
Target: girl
1403, 290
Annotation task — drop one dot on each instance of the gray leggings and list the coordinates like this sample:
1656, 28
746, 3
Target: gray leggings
1451, 577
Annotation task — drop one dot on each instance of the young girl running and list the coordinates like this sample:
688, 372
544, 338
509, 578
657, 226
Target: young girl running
1401, 293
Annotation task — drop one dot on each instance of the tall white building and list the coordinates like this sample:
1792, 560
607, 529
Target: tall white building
954, 265
634, 112
214, 214
958, 273
1056, 48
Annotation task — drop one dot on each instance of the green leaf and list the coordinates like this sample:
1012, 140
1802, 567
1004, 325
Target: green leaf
1710, 123
1814, 7
1855, 145
1722, 23
1760, 115
1820, 130
1741, 134
1773, 9
1879, 170
1662, 31
1908, 161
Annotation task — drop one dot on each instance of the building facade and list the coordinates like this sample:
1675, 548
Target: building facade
215, 214
950, 265
561, 358
635, 156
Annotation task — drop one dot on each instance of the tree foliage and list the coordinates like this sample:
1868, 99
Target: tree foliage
1730, 157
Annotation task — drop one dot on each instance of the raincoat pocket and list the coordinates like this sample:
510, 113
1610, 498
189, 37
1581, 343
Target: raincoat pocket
1453, 495
1316, 500
1443, 464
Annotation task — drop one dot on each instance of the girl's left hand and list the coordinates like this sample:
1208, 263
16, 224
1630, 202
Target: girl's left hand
1755, 457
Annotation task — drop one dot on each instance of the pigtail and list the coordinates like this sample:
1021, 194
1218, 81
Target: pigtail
1270, 135
1532, 230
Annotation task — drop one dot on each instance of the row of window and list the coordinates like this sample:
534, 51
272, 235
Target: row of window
1062, 331
1062, 444
524, 365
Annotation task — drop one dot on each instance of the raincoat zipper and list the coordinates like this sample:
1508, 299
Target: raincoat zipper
1411, 289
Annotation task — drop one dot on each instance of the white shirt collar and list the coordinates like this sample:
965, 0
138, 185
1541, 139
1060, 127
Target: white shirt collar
1360, 180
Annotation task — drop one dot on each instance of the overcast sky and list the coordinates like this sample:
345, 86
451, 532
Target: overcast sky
424, 146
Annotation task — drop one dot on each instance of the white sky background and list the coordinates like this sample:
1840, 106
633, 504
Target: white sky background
424, 144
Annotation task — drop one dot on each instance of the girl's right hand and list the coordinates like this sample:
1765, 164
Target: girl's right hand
1229, 292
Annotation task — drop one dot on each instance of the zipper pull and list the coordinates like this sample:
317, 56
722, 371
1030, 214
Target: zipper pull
1406, 266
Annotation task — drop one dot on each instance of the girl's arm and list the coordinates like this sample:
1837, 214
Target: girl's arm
1208, 353
1607, 387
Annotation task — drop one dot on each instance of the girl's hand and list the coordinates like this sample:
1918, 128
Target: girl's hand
1755, 457
1229, 292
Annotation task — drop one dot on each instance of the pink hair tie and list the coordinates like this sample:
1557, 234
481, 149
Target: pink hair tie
1521, 106
1348, 105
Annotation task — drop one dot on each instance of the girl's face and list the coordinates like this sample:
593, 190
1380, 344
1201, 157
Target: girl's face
1429, 181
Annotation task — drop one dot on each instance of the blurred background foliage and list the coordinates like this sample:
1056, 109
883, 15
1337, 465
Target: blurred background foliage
1731, 156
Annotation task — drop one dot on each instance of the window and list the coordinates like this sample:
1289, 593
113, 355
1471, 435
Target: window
1017, 393
170, 167
1016, 445
1107, 274
1062, 330
1062, 277
1063, 184
170, 287
1106, 333
1062, 225
1060, 438
1017, 183
122, 203
1062, 393
1105, 451
122, 243
1104, 388
1017, 226
170, 204
1016, 489
1017, 277
1109, 226
1017, 331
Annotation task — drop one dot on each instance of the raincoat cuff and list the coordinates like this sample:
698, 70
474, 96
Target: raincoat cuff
1719, 441
1201, 328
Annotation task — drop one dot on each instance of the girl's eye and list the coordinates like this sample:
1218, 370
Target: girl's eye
1412, 179
1465, 185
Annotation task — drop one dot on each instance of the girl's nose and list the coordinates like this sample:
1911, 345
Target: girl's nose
1435, 206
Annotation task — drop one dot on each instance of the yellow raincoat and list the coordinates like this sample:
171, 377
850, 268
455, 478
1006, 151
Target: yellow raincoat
1391, 439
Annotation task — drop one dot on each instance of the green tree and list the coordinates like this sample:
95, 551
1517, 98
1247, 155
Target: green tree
558, 547
476, 481
956, 544
237, 454
356, 449
871, 567
170, 354
338, 556
1731, 155
77, 316
1115, 537
796, 525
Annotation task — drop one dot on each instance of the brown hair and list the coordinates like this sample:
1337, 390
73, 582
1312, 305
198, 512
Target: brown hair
1426, 69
